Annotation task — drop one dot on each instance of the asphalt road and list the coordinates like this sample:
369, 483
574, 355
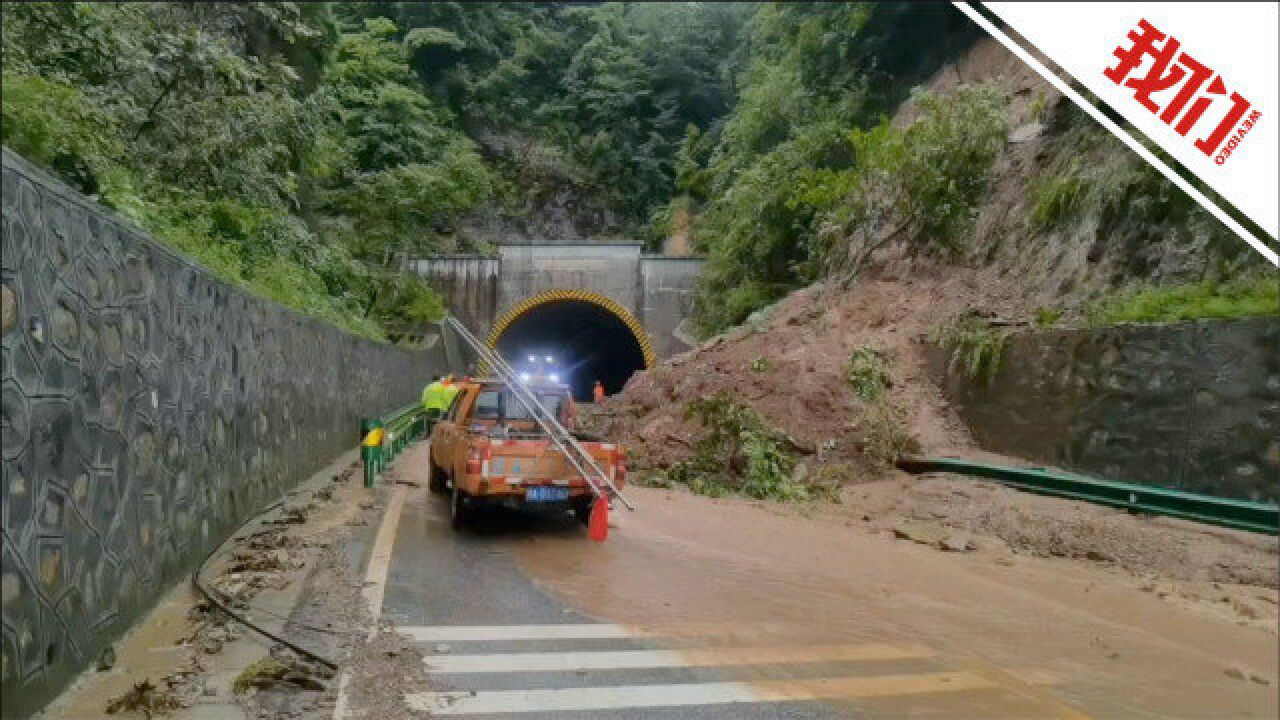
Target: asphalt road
498, 646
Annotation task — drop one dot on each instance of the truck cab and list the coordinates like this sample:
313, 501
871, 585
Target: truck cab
488, 449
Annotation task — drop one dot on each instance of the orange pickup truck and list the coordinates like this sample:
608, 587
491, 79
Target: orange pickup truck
488, 449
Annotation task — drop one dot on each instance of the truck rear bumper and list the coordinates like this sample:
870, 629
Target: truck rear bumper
478, 486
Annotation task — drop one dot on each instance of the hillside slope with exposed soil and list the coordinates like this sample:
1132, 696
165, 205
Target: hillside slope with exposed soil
789, 367
790, 362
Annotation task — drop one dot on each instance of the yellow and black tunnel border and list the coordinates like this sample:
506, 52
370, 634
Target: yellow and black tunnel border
552, 296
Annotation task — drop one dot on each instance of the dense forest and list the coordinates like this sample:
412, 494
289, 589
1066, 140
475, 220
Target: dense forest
304, 150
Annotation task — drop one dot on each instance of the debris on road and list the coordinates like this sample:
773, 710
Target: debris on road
270, 672
293, 515
144, 698
920, 534
106, 659
298, 547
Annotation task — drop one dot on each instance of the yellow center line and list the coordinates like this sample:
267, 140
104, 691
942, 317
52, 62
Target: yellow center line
870, 687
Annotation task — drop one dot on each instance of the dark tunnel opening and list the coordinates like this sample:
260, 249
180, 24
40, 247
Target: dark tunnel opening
585, 341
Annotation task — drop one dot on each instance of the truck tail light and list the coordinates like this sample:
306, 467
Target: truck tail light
477, 459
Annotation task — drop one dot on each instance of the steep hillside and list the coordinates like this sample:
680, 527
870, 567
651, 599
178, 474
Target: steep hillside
985, 196
826, 171
303, 150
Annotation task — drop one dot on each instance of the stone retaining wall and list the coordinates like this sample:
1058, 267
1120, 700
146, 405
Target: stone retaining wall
148, 408
1193, 405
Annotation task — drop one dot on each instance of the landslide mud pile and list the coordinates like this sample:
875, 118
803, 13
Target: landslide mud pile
791, 366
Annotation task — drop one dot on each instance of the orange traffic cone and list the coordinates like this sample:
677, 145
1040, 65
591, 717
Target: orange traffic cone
598, 524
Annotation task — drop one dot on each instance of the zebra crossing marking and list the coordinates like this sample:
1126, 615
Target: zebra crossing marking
687, 694
639, 659
478, 633
617, 697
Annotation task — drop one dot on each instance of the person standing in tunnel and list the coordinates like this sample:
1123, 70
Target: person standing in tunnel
597, 393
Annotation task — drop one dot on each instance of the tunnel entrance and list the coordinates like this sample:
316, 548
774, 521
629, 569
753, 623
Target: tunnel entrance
587, 339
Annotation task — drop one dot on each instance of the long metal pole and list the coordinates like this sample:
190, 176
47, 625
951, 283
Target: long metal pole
558, 434
541, 415
562, 438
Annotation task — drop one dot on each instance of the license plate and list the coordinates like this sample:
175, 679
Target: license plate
546, 494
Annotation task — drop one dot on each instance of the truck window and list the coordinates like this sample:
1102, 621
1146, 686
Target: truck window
552, 401
488, 405
498, 402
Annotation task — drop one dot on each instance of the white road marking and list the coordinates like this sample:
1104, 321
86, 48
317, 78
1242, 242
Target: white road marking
375, 581
682, 695
633, 659
467, 633
375, 578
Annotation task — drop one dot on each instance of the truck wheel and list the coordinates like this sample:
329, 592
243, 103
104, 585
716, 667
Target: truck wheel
435, 476
458, 509
582, 510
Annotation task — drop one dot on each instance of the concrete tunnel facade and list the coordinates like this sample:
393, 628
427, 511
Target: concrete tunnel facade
590, 337
603, 311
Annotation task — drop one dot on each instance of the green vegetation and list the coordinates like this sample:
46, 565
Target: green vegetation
262, 672
305, 150
1056, 197
739, 453
973, 343
1047, 317
866, 371
806, 177
287, 150
600, 96
885, 437
1039, 108
883, 432
1254, 294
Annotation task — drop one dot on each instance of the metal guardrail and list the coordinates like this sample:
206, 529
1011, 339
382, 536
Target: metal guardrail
1225, 512
383, 437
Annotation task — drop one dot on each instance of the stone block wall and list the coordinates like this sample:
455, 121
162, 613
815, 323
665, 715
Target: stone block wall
148, 408
1193, 405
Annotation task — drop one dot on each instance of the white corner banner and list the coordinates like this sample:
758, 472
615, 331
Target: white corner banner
1198, 79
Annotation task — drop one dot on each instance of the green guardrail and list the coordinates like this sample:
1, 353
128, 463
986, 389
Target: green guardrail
383, 437
1225, 512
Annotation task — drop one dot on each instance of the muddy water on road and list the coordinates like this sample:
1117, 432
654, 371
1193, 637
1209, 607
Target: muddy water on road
1055, 634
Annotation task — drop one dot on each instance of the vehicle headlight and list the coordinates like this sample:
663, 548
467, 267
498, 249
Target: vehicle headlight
555, 378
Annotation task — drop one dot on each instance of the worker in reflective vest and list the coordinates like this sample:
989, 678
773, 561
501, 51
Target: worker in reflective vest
433, 397
597, 393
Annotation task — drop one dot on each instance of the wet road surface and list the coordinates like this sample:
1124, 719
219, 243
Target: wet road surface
497, 645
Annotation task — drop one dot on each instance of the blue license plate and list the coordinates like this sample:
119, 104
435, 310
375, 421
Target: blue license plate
546, 494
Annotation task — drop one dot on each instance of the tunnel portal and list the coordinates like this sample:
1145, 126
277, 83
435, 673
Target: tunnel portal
588, 340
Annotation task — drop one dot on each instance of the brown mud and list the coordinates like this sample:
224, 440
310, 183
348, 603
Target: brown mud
1115, 644
790, 365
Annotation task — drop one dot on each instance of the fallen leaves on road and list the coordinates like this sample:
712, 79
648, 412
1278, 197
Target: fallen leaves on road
271, 672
